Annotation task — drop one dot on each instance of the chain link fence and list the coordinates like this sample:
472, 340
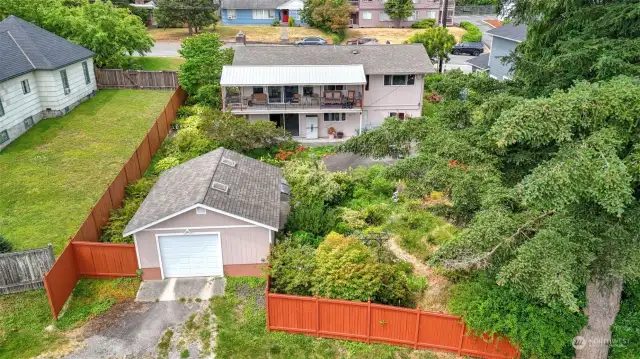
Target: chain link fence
462, 10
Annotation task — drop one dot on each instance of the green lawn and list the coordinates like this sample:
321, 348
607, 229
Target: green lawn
26, 315
241, 326
54, 173
159, 63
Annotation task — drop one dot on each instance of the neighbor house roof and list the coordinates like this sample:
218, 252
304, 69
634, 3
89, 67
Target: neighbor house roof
376, 59
517, 33
252, 4
301, 75
26, 47
292, 5
253, 192
480, 62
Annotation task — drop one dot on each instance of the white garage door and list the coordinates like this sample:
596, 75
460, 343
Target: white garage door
191, 256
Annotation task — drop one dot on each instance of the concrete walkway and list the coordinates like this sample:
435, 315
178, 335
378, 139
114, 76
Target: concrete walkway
344, 161
175, 288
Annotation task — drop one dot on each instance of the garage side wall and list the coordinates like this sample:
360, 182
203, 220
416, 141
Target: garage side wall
245, 247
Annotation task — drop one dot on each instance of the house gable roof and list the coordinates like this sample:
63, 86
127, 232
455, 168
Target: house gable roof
517, 33
252, 4
253, 191
26, 47
376, 59
481, 62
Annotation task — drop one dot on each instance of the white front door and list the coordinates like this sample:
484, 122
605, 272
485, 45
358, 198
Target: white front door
312, 126
196, 255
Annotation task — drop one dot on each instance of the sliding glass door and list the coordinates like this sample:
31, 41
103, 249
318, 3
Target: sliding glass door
276, 94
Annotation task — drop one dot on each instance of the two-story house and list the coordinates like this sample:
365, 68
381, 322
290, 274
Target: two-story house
308, 90
504, 40
41, 75
370, 13
263, 12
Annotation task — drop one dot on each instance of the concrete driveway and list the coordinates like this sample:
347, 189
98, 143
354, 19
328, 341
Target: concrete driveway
176, 288
135, 329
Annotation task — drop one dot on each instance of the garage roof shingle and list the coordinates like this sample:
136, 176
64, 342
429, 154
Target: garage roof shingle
253, 190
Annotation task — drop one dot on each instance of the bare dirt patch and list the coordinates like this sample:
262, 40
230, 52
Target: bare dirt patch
436, 295
396, 36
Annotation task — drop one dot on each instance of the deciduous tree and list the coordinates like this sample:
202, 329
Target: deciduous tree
194, 13
398, 10
438, 42
327, 15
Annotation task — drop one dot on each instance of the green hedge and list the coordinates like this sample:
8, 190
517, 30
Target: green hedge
473, 33
424, 24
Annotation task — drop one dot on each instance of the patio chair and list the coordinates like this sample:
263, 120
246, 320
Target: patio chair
259, 99
295, 99
351, 97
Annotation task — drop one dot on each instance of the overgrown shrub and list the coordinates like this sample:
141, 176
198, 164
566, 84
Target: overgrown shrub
5, 245
291, 267
370, 216
473, 33
543, 331
424, 24
626, 329
291, 22
303, 238
238, 134
310, 181
166, 163
312, 217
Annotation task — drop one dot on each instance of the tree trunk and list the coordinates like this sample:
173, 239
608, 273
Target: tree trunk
190, 28
398, 21
603, 303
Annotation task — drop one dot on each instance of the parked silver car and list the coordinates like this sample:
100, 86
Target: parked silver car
311, 40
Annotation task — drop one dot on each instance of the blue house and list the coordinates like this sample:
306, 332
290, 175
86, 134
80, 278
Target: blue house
260, 12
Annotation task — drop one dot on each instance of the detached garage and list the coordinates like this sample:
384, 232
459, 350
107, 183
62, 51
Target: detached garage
212, 216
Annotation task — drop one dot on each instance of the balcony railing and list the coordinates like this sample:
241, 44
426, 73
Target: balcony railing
328, 100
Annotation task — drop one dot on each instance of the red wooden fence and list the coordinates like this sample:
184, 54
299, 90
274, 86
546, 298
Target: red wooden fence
84, 256
375, 323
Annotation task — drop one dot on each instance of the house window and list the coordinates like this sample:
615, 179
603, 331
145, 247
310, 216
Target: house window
366, 86
1, 108
65, 82
231, 14
414, 16
399, 115
28, 122
25, 86
382, 16
307, 91
431, 14
399, 80
264, 14
4, 136
258, 90
200, 210
335, 117
275, 94
367, 15
85, 69
334, 88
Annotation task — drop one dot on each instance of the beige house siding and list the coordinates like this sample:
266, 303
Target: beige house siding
242, 243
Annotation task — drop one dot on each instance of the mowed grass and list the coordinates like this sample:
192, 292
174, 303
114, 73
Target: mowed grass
26, 315
150, 63
266, 33
22, 323
241, 323
53, 174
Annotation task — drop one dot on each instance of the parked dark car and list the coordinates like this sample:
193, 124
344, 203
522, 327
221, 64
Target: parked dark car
311, 40
469, 48
362, 41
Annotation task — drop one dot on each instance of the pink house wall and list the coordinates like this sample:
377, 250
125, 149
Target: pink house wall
244, 245
380, 100
376, 7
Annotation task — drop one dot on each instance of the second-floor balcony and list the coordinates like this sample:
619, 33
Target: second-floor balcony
293, 89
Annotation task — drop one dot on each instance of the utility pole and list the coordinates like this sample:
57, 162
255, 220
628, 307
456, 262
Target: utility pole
444, 24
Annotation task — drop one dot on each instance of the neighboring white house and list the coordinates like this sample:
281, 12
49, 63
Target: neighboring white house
312, 91
504, 41
41, 75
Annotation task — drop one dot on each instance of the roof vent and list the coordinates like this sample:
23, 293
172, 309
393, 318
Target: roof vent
355, 52
220, 187
285, 189
229, 162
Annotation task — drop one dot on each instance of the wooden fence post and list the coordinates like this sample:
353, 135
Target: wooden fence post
415, 341
369, 320
317, 315
48, 290
266, 300
461, 339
